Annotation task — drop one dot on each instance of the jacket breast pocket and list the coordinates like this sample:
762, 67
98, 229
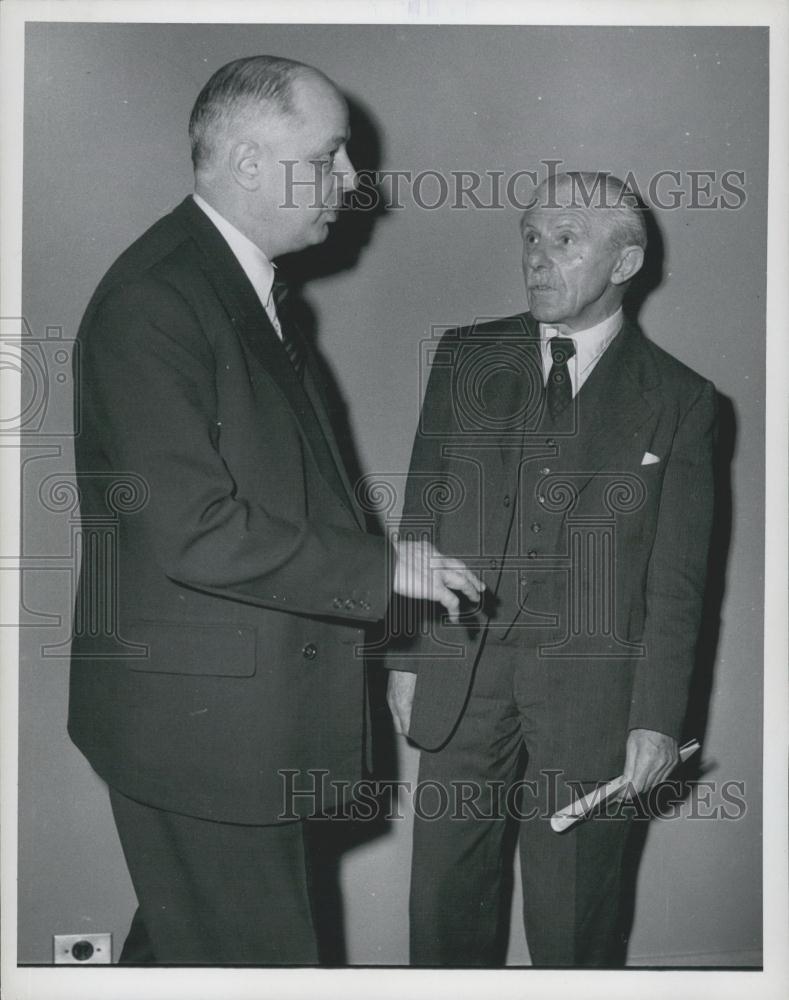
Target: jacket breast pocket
651, 480
184, 648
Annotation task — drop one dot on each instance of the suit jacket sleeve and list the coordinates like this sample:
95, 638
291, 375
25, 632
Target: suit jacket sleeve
148, 371
677, 573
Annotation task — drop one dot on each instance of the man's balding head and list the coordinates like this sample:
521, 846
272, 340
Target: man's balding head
269, 150
255, 86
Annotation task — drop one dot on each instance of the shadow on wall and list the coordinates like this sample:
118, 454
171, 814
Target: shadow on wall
349, 237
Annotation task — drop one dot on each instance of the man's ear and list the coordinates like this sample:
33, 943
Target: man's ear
245, 161
628, 265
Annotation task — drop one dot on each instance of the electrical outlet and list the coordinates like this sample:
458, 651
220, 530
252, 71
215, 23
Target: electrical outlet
83, 949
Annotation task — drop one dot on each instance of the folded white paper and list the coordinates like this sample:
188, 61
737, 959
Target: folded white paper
564, 818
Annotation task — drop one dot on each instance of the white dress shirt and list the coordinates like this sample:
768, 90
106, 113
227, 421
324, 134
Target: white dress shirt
256, 265
589, 347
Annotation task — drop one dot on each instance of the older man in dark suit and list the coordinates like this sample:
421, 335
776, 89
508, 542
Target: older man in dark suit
578, 456
244, 575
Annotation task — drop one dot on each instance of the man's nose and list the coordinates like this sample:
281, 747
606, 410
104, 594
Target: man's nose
535, 256
347, 179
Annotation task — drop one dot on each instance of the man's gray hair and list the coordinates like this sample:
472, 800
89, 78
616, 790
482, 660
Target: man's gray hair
234, 90
624, 210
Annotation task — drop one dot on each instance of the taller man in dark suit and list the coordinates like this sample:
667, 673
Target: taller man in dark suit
576, 460
226, 573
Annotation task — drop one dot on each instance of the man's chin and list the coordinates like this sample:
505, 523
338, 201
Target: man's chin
316, 235
544, 315
544, 307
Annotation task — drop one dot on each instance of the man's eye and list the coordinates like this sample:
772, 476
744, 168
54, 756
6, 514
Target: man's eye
566, 239
531, 239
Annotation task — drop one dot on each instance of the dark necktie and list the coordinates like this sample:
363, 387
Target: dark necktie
290, 336
559, 391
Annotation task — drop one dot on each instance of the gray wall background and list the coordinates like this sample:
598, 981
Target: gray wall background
106, 153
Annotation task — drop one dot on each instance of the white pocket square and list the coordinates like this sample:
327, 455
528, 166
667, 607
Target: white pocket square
649, 458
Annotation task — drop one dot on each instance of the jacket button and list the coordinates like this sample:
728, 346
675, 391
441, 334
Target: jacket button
532, 553
337, 603
544, 470
536, 527
541, 499
493, 564
506, 501
550, 442
349, 604
310, 651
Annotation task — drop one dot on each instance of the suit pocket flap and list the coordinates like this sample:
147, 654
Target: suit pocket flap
184, 648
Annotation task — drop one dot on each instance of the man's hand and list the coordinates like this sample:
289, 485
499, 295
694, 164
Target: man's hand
400, 696
423, 574
649, 759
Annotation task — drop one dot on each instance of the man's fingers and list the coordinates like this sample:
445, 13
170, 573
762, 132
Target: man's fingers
667, 768
398, 725
449, 599
650, 757
635, 785
470, 579
464, 582
394, 708
421, 572
646, 774
637, 774
627, 791
461, 576
643, 777
400, 696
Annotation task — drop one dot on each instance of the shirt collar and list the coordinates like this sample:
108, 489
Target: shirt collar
589, 343
256, 265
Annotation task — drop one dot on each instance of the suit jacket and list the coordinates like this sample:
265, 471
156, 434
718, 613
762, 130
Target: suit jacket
606, 556
226, 573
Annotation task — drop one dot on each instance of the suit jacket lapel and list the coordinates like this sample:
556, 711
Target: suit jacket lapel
250, 319
314, 385
519, 345
612, 405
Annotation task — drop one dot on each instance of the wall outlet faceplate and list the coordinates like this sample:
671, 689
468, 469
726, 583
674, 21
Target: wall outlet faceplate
83, 949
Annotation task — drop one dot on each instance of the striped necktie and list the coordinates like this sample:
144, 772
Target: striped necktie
290, 336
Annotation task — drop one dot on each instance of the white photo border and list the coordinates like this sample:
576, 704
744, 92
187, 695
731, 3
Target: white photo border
53, 983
